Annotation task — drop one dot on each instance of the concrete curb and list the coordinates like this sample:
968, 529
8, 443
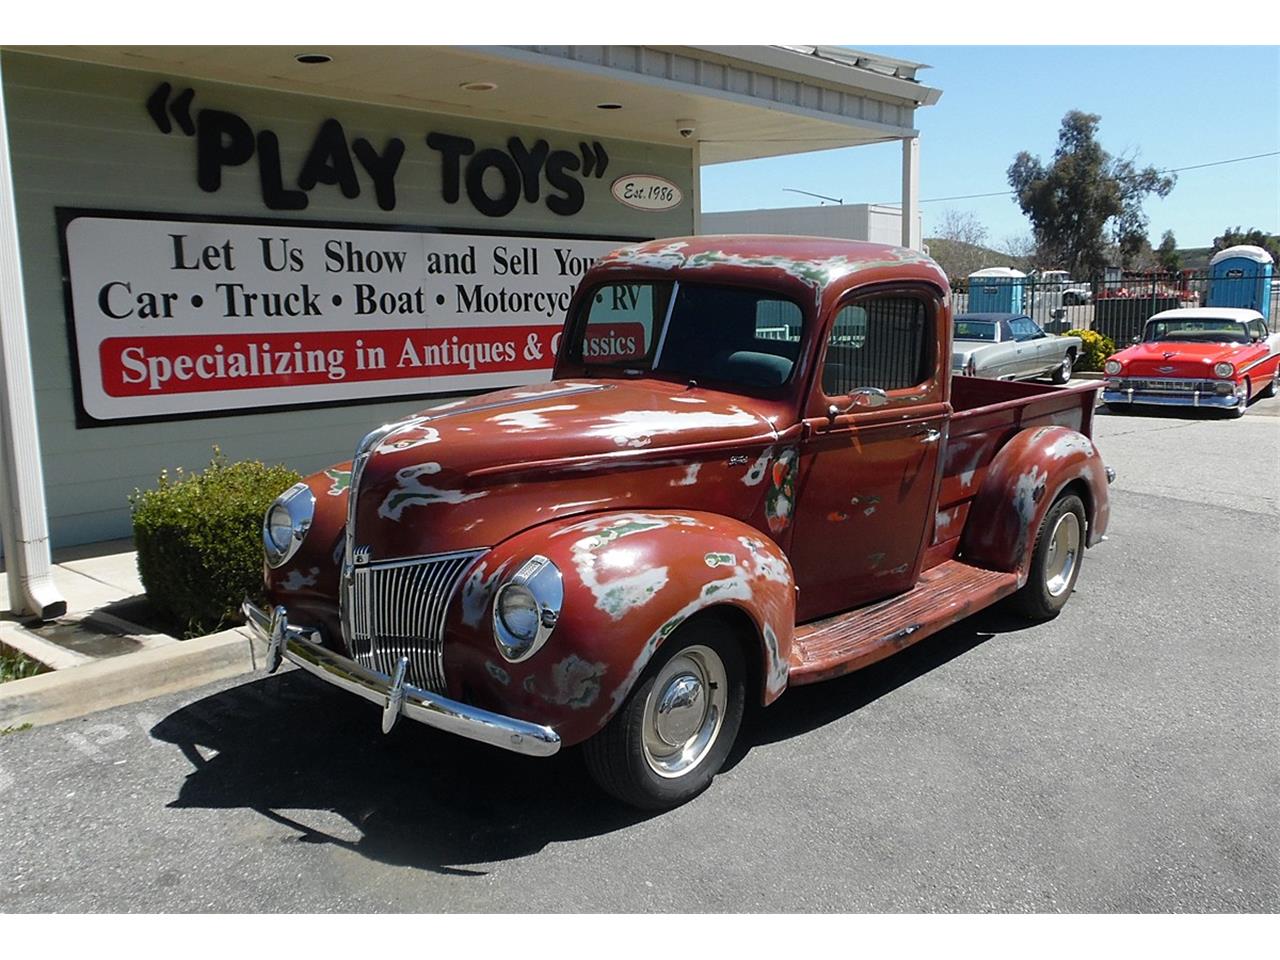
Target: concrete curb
79, 690
15, 637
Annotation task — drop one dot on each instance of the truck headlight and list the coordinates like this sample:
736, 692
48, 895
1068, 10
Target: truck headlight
1223, 369
527, 608
1113, 367
286, 523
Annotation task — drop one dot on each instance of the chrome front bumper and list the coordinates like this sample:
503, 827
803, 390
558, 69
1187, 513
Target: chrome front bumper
397, 698
1215, 400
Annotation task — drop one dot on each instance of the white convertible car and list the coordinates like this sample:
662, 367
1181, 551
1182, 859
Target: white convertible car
1010, 346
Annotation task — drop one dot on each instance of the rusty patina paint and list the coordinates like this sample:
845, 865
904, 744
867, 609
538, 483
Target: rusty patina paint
1020, 485
660, 500
631, 580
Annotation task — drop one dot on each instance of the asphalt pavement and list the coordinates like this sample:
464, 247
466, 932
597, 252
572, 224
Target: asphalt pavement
1122, 757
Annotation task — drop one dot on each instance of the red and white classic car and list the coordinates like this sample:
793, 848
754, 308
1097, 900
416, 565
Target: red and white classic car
752, 469
1197, 357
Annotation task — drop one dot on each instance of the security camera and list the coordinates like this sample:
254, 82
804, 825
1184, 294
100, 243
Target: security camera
686, 127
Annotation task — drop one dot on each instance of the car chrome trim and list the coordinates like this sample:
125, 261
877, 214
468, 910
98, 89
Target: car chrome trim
300, 504
684, 712
397, 610
1227, 402
364, 451
301, 646
542, 578
1246, 369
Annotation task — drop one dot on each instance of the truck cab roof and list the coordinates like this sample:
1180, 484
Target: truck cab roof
821, 267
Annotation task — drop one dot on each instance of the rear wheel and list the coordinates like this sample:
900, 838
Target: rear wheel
676, 728
1055, 561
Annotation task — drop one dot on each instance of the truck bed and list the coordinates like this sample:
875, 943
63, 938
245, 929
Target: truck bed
987, 413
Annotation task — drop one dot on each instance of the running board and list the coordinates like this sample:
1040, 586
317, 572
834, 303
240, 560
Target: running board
945, 594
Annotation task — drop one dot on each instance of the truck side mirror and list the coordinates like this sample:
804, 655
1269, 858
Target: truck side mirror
861, 397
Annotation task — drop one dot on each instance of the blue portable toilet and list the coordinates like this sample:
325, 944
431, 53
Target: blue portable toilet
996, 290
1241, 277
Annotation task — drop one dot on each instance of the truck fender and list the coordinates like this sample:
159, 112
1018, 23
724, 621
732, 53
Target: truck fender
630, 580
1024, 479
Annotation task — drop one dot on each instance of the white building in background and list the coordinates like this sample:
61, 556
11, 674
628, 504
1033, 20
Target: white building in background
848, 221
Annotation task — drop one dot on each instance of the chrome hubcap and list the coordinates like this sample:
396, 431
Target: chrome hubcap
685, 711
1064, 550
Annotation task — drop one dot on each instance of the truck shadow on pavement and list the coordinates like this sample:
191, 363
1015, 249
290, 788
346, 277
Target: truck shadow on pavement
427, 800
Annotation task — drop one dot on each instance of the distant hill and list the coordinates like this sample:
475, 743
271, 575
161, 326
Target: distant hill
1196, 258
959, 259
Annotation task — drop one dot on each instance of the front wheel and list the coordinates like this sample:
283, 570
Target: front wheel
1238, 410
676, 728
1055, 562
1062, 372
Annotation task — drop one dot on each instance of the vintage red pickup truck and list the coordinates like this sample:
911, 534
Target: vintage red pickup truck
752, 469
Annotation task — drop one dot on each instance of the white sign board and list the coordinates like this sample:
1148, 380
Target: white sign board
180, 317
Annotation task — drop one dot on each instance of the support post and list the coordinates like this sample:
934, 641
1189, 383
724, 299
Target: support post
911, 193
696, 199
23, 514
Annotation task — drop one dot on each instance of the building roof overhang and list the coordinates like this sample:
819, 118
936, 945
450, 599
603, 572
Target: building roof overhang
745, 101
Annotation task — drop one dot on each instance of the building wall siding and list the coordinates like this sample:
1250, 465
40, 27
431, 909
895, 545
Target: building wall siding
81, 137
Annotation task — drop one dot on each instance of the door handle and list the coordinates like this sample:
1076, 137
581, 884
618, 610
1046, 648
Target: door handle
931, 436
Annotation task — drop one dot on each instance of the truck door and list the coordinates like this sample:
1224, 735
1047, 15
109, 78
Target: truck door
870, 452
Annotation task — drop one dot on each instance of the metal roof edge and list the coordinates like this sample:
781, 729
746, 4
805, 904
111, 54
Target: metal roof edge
821, 64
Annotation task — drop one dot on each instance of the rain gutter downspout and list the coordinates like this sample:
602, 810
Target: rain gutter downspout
23, 513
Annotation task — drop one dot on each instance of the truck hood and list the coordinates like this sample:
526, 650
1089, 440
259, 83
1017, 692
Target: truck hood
473, 472
1181, 358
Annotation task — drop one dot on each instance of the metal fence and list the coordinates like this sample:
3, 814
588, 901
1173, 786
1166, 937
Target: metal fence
1118, 307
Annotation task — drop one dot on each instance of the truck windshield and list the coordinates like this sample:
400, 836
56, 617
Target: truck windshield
1208, 329
703, 332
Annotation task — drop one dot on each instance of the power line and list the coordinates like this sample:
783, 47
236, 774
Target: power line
1010, 193
820, 196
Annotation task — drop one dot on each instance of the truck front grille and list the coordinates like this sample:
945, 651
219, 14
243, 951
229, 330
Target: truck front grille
397, 609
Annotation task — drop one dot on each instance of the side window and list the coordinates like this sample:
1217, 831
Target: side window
1257, 330
884, 342
1023, 329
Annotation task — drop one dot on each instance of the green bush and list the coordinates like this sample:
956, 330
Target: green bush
1094, 349
199, 540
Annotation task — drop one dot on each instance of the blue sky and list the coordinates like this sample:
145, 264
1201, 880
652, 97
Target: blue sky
1176, 106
